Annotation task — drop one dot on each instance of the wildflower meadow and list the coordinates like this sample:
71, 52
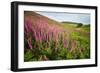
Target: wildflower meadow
46, 39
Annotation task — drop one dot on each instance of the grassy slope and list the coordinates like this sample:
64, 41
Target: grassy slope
33, 16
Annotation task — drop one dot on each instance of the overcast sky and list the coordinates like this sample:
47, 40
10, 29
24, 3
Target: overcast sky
72, 17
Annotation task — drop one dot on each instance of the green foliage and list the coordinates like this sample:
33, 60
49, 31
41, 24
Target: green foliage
28, 56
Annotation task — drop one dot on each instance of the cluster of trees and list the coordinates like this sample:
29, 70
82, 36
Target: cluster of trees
79, 25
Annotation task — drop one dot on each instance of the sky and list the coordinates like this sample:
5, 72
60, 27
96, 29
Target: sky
64, 16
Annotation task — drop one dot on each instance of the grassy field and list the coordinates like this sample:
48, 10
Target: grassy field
59, 41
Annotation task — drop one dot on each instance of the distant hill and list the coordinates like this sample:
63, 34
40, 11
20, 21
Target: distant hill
70, 22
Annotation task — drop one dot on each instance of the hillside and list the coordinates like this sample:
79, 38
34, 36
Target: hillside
33, 16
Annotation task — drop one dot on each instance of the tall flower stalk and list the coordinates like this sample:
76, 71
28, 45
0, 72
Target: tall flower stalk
42, 32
